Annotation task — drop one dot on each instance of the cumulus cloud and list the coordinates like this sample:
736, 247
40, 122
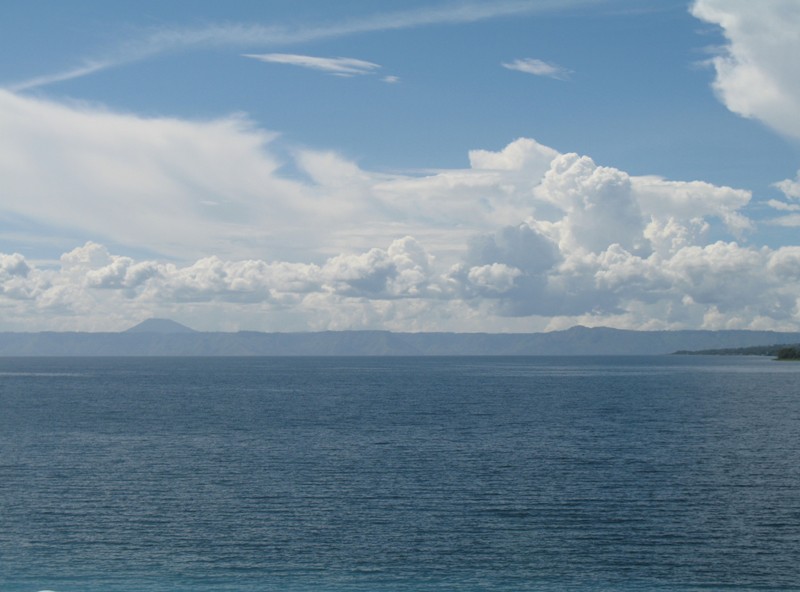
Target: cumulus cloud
345, 67
497, 277
524, 238
523, 154
401, 287
598, 203
183, 189
13, 265
538, 68
512, 267
402, 270
757, 72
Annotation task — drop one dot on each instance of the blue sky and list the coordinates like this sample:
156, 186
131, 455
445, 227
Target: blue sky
498, 166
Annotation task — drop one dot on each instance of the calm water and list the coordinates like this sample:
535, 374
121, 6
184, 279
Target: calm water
399, 474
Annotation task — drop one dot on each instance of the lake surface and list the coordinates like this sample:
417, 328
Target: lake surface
399, 474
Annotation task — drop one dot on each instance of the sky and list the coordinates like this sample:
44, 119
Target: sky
448, 165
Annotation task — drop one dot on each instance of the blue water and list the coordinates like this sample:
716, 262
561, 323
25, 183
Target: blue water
399, 474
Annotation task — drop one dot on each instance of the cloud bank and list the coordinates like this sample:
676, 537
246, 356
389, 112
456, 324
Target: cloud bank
197, 221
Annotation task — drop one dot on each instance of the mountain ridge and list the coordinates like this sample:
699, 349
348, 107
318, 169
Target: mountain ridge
174, 339
156, 325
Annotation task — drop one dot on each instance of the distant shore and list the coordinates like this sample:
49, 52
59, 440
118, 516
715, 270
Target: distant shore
159, 337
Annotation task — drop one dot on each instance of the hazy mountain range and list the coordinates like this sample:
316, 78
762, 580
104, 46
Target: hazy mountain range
160, 337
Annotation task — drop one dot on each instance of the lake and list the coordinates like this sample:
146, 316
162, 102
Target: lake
399, 474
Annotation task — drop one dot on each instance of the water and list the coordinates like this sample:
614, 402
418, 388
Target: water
399, 474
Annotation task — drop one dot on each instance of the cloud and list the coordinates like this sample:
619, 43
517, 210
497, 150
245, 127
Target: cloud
756, 71
783, 206
788, 221
129, 180
511, 265
790, 187
181, 189
195, 220
598, 202
497, 277
47, 79
719, 285
538, 68
401, 270
159, 41
524, 154
791, 191
13, 265
346, 67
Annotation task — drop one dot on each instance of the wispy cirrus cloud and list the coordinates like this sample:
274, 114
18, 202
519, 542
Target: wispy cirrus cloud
346, 67
538, 68
79, 72
164, 40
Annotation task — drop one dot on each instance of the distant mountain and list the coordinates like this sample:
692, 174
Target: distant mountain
162, 326
161, 337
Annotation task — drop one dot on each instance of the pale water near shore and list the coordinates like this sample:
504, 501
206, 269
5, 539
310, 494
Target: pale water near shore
399, 474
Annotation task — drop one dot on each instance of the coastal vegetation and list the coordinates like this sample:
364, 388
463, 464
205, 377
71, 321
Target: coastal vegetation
778, 351
789, 353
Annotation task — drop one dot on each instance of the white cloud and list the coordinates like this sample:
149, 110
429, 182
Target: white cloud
47, 79
345, 67
790, 187
13, 265
757, 72
133, 181
791, 190
538, 68
783, 206
720, 285
789, 221
400, 271
497, 277
183, 189
522, 239
523, 154
599, 204
159, 41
